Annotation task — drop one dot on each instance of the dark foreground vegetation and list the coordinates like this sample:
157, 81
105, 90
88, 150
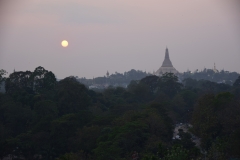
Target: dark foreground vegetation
41, 118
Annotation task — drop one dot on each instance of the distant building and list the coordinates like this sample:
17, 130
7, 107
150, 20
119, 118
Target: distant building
166, 66
214, 69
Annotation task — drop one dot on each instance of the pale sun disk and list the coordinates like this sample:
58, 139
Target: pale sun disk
64, 43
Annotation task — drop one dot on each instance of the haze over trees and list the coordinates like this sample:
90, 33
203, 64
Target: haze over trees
42, 118
124, 79
211, 75
115, 79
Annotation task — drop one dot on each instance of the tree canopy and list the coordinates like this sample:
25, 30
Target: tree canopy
42, 118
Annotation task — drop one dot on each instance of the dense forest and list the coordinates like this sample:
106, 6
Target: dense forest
42, 118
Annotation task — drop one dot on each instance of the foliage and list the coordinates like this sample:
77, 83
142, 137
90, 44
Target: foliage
41, 118
115, 78
217, 117
209, 75
237, 82
43, 79
2, 78
177, 153
72, 96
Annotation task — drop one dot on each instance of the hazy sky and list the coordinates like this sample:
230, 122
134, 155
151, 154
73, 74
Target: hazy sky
118, 35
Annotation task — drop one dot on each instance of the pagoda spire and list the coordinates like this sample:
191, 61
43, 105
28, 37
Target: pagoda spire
166, 54
167, 62
167, 66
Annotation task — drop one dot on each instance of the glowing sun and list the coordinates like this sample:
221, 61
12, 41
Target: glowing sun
64, 43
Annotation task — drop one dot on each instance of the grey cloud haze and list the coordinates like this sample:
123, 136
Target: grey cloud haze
119, 35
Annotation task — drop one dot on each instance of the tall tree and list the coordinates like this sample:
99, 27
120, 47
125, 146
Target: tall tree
169, 84
43, 79
19, 81
72, 96
237, 82
2, 78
